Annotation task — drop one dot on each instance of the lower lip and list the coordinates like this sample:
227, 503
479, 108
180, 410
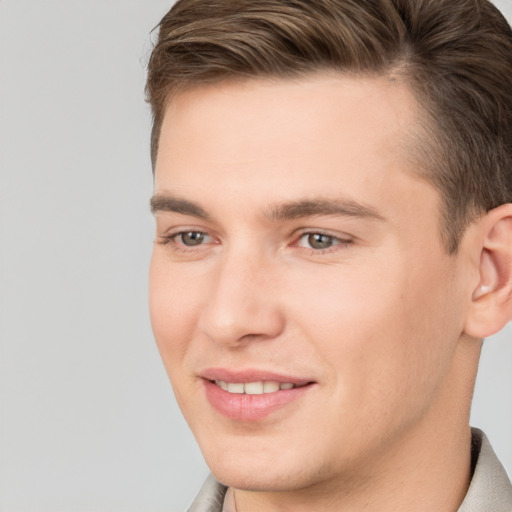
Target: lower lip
244, 407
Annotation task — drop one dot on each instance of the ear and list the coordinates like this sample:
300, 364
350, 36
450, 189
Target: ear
491, 301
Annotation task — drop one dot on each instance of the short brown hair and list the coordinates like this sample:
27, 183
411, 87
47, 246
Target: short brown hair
455, 54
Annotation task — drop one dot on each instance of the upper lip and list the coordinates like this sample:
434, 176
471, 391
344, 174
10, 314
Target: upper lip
250, 375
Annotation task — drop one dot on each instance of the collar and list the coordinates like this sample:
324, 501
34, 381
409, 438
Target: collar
490, 488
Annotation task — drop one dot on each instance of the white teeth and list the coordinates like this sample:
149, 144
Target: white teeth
235, 387
222, 384
270, 387
253, 388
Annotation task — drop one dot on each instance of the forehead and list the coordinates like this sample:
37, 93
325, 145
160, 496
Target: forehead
239, 117
277, 140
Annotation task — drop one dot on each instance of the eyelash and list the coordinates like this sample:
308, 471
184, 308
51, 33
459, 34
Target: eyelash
170, 240
338, 243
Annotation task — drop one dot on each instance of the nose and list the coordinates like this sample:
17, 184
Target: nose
243, 304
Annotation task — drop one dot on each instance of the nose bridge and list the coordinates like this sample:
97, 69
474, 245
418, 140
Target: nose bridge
240, 303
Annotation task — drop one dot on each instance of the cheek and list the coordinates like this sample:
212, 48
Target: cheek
173, 305
173, 310
382, 333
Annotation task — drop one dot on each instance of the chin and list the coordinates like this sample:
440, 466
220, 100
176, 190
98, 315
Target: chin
258, 479
259, 473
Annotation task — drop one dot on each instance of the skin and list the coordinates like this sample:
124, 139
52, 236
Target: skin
377, 320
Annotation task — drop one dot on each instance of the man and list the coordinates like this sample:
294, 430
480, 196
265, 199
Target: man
333, 200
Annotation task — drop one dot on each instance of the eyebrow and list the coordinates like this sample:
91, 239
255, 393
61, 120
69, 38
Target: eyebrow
283, 211
317, 207
166, 203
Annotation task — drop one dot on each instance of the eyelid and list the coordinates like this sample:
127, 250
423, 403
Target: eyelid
341, 240
169, 231
188, 231
170, 237
344, 237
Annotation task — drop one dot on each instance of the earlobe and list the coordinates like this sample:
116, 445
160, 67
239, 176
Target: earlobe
491, 301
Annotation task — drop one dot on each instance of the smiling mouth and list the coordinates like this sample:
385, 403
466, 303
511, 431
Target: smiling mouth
256, 388
252, 395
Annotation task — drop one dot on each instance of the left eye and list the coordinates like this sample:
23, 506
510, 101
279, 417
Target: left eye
192, 238
318, 241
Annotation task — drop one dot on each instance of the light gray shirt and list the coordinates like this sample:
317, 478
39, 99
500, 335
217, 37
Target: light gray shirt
490, 489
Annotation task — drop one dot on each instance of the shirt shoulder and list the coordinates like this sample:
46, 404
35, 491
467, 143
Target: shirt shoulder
490, 488
210, 497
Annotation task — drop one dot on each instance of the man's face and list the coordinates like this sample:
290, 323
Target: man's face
295, 246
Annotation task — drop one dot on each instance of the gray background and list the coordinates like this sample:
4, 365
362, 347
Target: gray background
87, 418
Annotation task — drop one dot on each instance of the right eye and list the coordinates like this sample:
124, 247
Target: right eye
191, 238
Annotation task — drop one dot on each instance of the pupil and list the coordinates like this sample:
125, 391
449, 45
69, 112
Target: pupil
319, 241
192, 238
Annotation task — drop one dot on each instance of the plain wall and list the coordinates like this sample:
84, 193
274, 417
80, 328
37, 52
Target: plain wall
88, 422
